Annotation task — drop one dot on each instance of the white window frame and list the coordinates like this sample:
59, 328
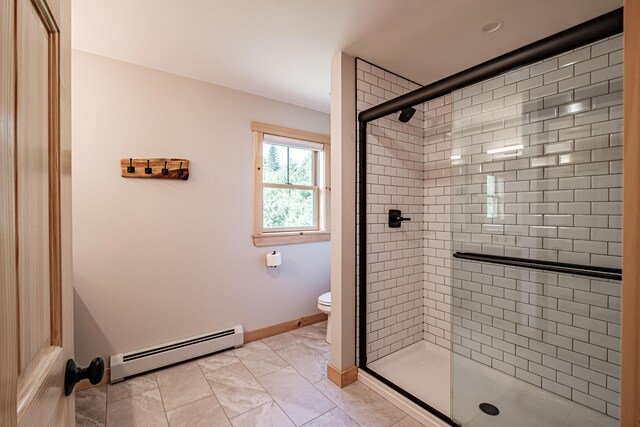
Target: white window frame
320, 185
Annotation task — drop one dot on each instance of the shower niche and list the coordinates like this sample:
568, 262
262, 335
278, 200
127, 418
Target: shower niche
498, 303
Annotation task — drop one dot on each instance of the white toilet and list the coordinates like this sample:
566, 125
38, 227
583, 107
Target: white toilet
324, 304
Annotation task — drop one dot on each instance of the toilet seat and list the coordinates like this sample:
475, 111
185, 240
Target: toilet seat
324, 305
325, 299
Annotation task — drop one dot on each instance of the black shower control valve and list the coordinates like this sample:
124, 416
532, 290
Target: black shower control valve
396, 218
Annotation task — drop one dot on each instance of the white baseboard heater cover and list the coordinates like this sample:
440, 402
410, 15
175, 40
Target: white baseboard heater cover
135, 362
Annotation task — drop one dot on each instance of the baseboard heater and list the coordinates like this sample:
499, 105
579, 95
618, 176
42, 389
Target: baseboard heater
135, 362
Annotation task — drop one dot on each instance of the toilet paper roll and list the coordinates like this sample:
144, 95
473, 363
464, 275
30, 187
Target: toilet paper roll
274, 259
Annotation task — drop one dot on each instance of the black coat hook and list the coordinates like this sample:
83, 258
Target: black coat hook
180, 171
130, 168
147, 170
165, 171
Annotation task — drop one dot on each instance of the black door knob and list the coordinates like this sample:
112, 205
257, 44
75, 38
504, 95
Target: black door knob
94, 373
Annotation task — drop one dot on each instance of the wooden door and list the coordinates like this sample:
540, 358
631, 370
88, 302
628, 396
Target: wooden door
36, 312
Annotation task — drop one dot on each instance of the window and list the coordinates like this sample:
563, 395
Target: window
291, 189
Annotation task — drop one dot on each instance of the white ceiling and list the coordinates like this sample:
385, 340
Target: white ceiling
281, 49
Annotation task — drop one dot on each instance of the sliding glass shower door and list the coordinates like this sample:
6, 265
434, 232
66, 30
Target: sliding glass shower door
395, 349
536, 231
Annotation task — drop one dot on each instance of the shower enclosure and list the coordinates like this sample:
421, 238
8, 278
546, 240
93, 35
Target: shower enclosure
489, 234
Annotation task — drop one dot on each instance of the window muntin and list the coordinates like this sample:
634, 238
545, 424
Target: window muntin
283, 164
290, 196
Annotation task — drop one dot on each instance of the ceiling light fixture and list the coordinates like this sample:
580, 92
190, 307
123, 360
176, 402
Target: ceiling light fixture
492, 27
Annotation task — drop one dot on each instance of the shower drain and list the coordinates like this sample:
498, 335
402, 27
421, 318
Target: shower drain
489, 409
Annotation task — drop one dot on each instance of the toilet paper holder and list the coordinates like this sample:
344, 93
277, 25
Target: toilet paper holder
274, 259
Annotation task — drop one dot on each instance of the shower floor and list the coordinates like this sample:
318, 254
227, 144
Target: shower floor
424, 370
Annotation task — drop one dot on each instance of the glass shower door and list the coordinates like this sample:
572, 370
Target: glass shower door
400, 342
536, 226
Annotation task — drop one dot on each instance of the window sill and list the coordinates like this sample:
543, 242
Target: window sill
275, 239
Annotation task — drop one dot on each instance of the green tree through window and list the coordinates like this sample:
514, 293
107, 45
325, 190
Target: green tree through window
285, 207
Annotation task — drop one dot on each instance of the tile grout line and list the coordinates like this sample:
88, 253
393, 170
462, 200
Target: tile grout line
166, 416
251, 373
300, 373
213, 393
294, 368
273, 400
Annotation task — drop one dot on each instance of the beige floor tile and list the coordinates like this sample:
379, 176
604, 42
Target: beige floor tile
143, 410
311, 364
236, 389
259, 358
334, 418
314, 338
205, 412
407, 422
280, 341
268, 415
321, 325
131, 387
91, 407
265, 383
362, 404
215, 361
182, 384
297, 397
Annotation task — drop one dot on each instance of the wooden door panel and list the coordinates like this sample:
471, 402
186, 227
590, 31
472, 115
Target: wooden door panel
8, 294
33, 295
32, 149
41, 359
40, 398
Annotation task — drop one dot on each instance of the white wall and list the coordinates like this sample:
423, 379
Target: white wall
343, 208
159, 260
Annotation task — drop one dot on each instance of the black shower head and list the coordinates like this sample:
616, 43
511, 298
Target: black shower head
406, 114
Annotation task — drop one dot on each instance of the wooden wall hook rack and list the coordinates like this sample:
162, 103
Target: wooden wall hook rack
155, 168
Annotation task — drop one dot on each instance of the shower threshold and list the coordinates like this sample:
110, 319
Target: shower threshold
424, 370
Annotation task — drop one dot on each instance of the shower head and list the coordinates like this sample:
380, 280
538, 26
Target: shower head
406, 114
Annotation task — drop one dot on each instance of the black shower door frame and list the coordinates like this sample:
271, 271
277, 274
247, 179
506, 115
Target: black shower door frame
603, 26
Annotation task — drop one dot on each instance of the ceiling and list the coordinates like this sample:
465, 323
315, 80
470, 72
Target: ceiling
281, 49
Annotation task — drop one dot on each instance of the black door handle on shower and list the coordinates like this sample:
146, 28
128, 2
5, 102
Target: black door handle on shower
396, 218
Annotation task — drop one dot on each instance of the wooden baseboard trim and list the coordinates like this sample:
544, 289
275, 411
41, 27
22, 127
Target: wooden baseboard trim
344, 378
283, 327
85, 384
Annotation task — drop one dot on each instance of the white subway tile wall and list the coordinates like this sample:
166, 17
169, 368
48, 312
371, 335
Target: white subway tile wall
437, 218
539, 176
549, 189
395, 278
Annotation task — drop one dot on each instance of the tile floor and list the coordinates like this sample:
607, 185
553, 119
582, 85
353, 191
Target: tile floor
278, 381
